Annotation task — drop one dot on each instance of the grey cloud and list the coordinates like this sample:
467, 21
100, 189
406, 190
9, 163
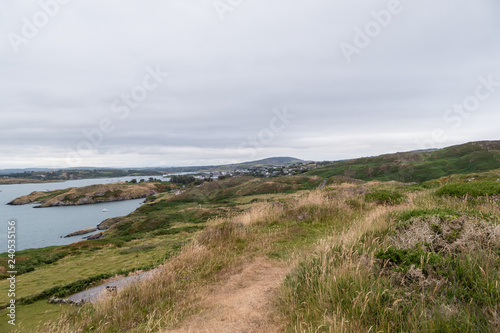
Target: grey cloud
226, 77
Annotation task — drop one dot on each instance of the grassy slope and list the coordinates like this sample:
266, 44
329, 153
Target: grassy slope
338, 284
89, 263
421, 166
149, 235
266, 229
281, 219
417, 287
29, 317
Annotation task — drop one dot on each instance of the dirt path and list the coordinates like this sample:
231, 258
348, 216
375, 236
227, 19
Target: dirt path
242, 304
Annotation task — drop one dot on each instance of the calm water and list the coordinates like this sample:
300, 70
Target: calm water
43, 227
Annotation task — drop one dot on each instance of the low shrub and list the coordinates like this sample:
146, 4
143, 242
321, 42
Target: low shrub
386, 197
470, 189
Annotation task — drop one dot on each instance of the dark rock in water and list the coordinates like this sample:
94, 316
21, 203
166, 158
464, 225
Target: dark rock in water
81, 232
96, 236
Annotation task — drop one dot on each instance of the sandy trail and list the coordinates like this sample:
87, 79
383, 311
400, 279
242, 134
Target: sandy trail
242, 304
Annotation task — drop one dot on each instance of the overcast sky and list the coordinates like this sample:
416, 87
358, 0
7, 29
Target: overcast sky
124, 83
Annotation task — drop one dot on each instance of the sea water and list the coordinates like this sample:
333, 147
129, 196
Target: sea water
41, 227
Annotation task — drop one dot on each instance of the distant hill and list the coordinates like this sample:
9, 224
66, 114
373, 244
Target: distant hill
10, 171
272, 161
120, 172
419, 166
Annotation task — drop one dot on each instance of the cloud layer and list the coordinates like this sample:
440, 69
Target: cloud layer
84, 83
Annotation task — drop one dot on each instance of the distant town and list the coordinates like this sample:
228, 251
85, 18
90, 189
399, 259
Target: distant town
212, 173
273, 171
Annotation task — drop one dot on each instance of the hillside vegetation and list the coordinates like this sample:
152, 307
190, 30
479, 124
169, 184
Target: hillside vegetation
419, 166
287, 254
353, 263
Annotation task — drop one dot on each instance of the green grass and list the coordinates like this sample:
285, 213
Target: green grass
374, 284
470, 189
352, 274
108, 195
386, 197
277, 231
31, 316
371, 300
91, 263
53, 194
419, 166
442, 213
29, 260
404, 259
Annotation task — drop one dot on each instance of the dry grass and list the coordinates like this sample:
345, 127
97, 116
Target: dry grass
462, 234
450, 286
279, 230
259, 213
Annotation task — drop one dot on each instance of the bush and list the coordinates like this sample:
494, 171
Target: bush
386, 197
471, 189
442, 213
403, 259
33, 261
182, 179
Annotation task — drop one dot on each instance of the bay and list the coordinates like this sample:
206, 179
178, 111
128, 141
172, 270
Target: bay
41, 227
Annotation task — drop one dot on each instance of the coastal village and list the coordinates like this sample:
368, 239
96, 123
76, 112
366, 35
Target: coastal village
268, 170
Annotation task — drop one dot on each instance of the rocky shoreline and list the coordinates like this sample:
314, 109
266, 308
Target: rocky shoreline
88, 195
81, 232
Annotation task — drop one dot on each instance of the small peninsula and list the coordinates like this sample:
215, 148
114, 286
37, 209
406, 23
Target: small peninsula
92, 194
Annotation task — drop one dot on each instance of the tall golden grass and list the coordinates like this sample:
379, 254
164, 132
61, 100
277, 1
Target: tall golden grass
171, 295
344, 288
330, 237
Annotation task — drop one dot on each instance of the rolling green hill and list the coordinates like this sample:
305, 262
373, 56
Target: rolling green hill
419, 166
272, 161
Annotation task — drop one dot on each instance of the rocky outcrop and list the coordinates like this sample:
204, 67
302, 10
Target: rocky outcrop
88, 195
106, 224
96, 236
81, 232
33, 197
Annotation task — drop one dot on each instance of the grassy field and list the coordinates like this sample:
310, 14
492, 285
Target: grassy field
145, 238
419, 166
359, 256
103, 260
30, 317
430, 268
